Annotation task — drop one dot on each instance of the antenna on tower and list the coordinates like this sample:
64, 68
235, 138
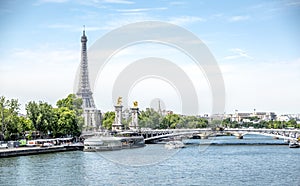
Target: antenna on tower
84, 30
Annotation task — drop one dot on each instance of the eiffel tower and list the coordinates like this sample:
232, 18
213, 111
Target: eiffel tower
84, 90
92, 116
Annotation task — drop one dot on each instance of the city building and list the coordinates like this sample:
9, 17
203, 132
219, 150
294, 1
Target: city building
284, 117
249, 117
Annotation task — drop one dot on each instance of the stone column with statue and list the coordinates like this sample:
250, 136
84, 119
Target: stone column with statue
134, 125
117, 125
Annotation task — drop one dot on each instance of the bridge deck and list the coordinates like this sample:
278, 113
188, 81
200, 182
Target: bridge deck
288, 134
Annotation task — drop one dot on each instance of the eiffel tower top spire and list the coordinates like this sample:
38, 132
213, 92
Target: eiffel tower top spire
159, 109
84, 90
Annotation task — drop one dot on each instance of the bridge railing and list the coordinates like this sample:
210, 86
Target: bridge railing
284, 133
225, 129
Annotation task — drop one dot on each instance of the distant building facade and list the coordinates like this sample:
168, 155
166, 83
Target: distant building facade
247, 116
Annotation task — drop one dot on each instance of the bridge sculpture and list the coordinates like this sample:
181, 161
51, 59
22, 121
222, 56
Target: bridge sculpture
153, 135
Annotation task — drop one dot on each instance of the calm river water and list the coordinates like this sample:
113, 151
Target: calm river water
155, 165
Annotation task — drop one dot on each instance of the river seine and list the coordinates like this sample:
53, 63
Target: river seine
203, 164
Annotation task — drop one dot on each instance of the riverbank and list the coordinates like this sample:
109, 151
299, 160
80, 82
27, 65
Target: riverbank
25, 151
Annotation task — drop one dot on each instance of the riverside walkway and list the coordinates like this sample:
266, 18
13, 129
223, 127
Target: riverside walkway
24, 151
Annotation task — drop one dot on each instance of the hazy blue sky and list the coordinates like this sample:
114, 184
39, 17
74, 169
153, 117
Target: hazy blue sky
256, 43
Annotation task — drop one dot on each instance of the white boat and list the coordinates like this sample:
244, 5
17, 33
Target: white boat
174, 145
3, 145
104, 143
294, 144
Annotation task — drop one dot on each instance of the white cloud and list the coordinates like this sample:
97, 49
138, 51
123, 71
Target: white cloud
102, 3
135, 10
217, 16
39, 2
119, 1
184, 20
237, 53
293, 3
238, 18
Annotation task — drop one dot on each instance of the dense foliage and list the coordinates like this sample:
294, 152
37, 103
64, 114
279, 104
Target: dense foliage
262, 124
41, 120
11, 123
108, 120
152, 119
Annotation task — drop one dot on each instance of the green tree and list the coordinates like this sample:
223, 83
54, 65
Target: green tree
291, 123
170, 121
195, 122
264, 124
66, 124
108, 120
226, 122
298, 125
253, 118
9, 118
42, 116
276, 124
202, 123
183, 122
3, 105
24, 125
46, 117
234, 124
73, 103
32, 112
217, 122
12, 121
14, 126
149, 119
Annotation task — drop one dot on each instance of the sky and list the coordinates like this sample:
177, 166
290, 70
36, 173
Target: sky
255, 43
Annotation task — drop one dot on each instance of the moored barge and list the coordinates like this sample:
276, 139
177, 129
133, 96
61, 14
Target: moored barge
105, 143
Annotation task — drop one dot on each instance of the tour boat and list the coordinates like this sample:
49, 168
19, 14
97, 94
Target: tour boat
174, 145
105, 143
